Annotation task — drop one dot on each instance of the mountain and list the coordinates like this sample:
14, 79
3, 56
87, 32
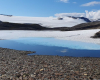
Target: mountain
84, 26
83, 18
49, 22
69, 23
19, 26
24, 26
6, 15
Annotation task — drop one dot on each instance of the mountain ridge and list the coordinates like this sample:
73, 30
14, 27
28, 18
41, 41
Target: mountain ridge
84, 18
19, 26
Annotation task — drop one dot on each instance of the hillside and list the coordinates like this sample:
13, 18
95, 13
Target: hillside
19, 26
84, 26
49, 22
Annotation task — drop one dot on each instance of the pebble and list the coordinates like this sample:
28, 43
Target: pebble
17, 65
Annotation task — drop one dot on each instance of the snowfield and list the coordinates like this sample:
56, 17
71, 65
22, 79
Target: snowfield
81, 35
44, 21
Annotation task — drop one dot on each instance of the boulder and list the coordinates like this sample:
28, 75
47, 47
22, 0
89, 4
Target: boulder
97, 35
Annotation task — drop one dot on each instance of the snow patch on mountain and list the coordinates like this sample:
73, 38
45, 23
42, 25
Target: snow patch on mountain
44, 21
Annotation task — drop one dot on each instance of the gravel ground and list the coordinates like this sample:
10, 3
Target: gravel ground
17, 65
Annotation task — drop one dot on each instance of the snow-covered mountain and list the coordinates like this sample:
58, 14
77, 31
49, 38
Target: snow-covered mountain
80, 32
83, 18
44, 21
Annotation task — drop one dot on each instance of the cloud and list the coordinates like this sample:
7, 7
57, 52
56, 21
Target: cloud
91, 3
93, 14
65, 1
87, 14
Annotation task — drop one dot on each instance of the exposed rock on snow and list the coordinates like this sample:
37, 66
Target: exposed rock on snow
84, 26
97, 35
83, 18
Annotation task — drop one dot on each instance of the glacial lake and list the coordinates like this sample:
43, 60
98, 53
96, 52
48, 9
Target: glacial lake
52, 46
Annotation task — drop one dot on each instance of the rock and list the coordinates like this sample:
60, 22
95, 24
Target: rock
83, 26
85, 74
21, 78
18, 75
45, 66
3, 72
51, 68
0, 75
58, 74
41, 69
60, 18
3, 75
32, 75
97, 35
32, 78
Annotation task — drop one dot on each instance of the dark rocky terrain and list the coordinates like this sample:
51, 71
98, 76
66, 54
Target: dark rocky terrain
6, 15
84, 18
84, 26
96, 35
27, 26
16, 65
18, 26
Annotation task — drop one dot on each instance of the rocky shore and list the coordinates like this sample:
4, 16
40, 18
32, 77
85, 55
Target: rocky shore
17, 65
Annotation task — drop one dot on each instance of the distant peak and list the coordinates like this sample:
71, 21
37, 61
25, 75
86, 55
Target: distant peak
6, 15
83, 18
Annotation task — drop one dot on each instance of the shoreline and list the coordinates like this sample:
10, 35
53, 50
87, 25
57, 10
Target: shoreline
16, 64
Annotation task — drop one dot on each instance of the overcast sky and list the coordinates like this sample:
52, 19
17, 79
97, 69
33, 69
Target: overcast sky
46, 8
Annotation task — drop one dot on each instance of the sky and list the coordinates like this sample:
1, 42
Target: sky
47, 8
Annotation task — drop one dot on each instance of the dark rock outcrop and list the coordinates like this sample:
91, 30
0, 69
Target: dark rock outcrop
28, 26
97, 35
83, 26
60, 18
19, 26
83, 18
6, 15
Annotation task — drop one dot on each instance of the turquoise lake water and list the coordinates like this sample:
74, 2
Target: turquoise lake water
52, 46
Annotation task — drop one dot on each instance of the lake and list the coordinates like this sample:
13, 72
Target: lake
52, 46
